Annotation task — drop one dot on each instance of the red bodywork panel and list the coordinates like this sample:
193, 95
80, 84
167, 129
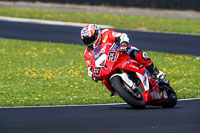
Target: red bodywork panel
107, 60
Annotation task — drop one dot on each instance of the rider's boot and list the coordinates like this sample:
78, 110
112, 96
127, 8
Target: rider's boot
157, 73
161, 75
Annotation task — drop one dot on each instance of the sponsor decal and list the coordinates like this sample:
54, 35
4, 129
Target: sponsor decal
124, 64
111, 56
155, 95
134, 67
161, 94
116, 46
158, 95
105, 39
165, 94
100, 53
132, 60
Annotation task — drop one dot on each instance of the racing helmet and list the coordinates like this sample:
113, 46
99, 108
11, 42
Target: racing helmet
91, 35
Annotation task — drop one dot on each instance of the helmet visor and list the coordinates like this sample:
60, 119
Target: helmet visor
90, 40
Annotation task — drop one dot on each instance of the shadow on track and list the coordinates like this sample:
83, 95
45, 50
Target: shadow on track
146, 108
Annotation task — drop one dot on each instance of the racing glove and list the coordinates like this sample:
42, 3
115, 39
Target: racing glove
90, 71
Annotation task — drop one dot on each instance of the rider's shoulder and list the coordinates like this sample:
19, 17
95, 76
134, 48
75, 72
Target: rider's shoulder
104, 31
87, 52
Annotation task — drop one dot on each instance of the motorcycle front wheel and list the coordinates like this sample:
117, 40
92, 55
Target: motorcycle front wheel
172, 98
133, 99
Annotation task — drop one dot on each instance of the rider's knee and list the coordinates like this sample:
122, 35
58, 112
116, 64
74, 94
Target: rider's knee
139, 55
133, 52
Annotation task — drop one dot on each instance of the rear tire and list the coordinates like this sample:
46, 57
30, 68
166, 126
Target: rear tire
126, 95
172, 98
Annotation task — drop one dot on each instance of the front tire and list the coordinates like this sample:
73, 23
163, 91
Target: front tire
172, 98
133, 100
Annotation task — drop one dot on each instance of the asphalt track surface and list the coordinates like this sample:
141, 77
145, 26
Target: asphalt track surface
184, 118
162, 42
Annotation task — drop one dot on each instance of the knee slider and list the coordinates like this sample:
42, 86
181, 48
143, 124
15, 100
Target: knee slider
145, 56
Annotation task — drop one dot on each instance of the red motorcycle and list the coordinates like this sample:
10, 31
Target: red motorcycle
129, 79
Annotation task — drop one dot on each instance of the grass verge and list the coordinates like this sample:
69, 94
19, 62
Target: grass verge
41, 73
118, 21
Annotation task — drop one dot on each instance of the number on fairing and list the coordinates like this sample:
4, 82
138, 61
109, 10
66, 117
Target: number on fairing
111, 56
97, 70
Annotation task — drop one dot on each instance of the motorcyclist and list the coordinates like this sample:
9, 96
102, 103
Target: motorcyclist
92, 36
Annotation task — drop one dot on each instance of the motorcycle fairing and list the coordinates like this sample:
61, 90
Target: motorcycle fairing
103, 60
144, 80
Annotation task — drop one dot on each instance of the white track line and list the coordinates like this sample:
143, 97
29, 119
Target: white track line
188, 99
49, 22
86, 105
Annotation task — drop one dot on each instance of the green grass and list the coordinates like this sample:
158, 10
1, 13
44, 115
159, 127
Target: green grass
118, 21
41, 73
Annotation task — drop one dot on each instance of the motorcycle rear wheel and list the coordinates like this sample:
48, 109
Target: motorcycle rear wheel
125, 94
